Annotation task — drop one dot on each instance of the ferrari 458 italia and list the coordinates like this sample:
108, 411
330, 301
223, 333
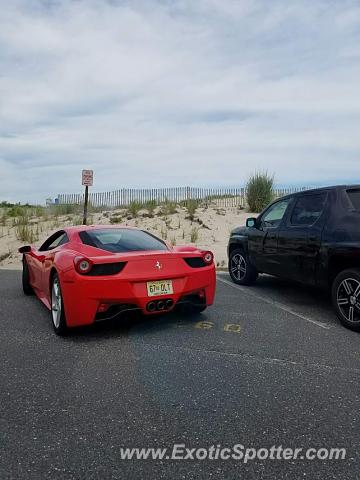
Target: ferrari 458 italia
91, 273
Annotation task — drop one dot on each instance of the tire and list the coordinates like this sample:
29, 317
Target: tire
27, 288
241, 270
57, 307
346, 298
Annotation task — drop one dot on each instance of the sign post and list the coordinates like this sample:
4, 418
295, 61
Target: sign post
87, 181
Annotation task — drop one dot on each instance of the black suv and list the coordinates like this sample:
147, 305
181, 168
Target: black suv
311, 237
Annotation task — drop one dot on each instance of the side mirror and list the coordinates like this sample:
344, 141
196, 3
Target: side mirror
251, 222
25, 249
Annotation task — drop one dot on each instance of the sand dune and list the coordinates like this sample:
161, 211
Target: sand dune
209, 229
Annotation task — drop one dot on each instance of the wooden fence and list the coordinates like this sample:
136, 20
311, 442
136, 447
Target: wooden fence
221, 197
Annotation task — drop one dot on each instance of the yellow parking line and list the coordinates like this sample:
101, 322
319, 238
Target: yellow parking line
232, 327
204, 325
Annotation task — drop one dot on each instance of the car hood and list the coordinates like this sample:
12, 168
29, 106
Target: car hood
244, 231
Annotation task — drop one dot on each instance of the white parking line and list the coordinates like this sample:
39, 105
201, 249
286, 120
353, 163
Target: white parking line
276, 304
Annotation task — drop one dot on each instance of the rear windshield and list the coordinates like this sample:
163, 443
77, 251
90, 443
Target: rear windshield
354, 196
119, 240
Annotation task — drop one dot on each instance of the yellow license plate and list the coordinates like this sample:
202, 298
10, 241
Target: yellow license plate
160, 287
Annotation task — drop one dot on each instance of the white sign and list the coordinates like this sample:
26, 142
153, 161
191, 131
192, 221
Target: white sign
87, 178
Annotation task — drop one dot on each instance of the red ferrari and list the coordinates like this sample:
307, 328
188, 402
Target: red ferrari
91, 273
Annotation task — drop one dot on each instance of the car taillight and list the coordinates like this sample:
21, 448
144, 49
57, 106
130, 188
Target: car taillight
83, 265
103, 307
208, 257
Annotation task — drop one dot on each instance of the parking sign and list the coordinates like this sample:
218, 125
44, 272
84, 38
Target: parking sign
87, 178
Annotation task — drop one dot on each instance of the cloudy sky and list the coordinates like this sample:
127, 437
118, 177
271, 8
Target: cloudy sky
177, 92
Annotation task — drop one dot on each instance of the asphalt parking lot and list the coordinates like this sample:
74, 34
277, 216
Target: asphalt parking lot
266, 365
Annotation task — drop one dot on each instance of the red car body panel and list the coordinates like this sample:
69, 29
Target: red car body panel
83, 294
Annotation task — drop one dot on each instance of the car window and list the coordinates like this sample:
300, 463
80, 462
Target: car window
57, 239
274, 215
119, 240
354, 196
308, 209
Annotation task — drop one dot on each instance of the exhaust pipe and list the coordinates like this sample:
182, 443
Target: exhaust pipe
151, 307
160, 305
169, 303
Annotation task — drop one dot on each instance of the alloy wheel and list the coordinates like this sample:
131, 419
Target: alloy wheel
238, 266
348, 299
56, 303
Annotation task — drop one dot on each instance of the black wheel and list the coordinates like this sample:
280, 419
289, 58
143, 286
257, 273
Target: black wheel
57, 307
346, 298
27, 288
241, 270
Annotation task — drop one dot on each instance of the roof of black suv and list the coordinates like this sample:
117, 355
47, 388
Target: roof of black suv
323, 189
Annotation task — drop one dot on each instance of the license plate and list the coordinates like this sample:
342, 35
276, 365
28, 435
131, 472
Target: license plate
160, 287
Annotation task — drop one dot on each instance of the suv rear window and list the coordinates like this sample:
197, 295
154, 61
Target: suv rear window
354, 197
118, 240
308, 209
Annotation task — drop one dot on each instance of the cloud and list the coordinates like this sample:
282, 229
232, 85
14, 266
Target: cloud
176, 92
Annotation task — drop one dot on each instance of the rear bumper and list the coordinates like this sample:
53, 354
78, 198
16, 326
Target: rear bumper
83, 295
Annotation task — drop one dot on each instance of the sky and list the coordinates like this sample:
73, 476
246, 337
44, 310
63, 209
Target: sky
177, 92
